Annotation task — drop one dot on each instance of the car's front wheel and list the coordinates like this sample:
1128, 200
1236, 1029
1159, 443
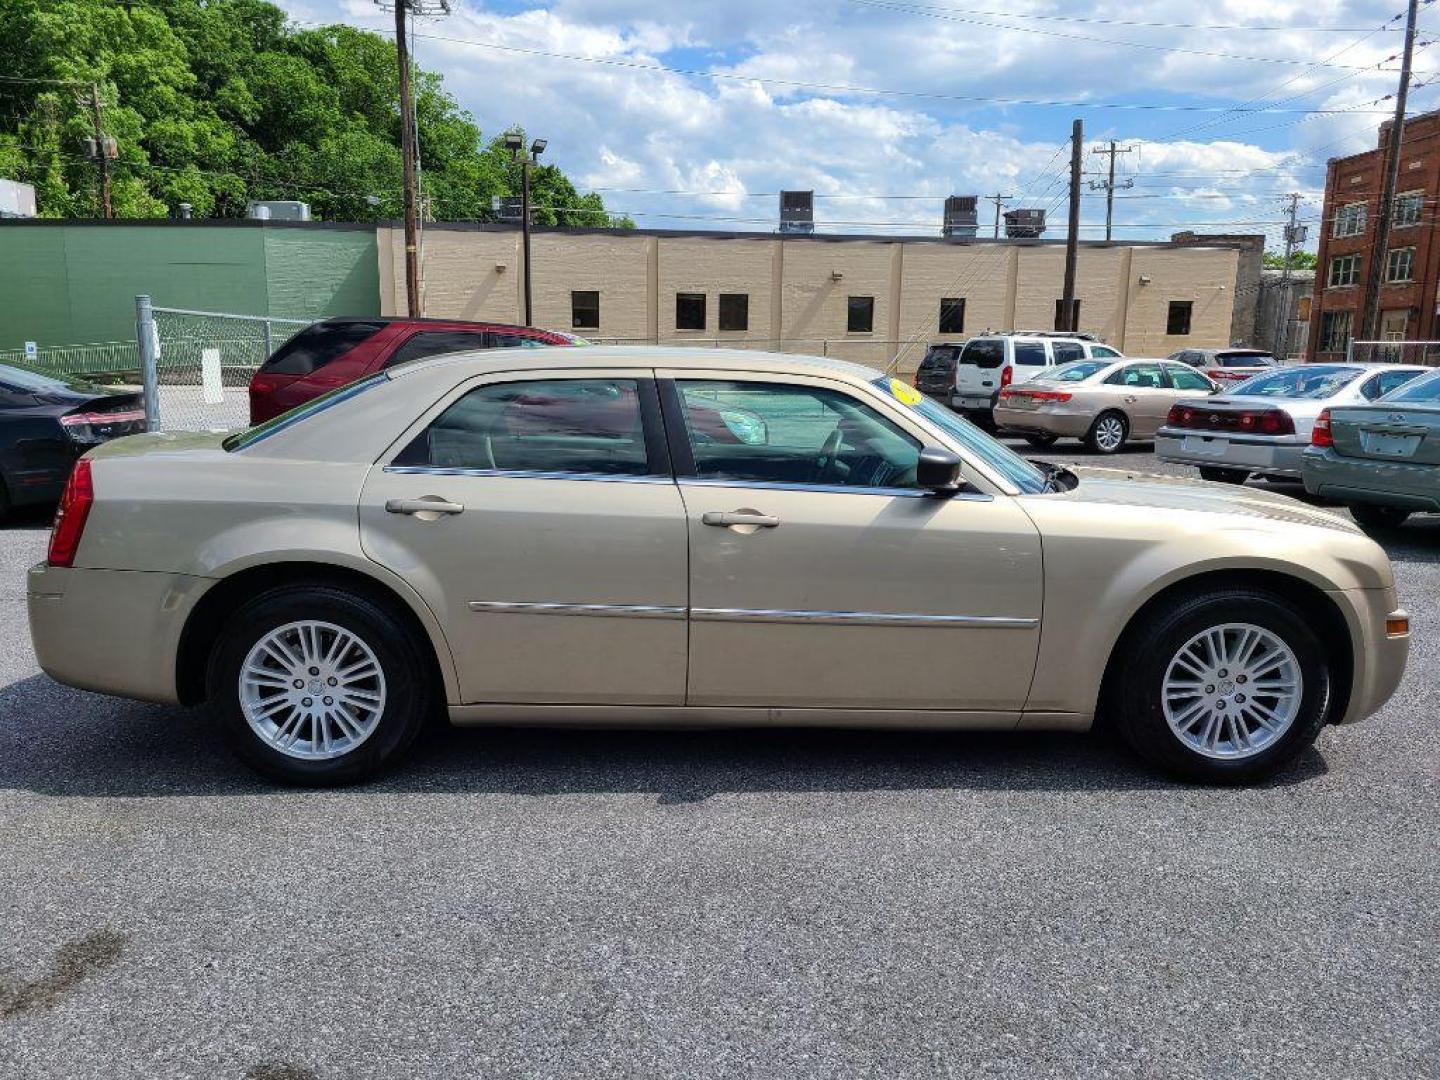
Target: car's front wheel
1223, 687
318, 685
1371, 516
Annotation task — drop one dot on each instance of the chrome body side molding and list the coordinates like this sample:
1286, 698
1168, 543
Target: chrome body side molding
627, 611
860, 618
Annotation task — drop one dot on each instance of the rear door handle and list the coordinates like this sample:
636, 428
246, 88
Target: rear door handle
726, 518
423, 506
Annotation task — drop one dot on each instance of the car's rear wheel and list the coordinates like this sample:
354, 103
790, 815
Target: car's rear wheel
317, 685
1108, 433
1223, 476
1041, 441
1223, 687
1371, 516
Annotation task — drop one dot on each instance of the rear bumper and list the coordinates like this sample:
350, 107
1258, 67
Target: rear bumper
1045, 421
111, 631
1253, 454
1384, 483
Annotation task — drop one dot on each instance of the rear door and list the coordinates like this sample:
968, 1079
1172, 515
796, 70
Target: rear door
1147, 396
536, 514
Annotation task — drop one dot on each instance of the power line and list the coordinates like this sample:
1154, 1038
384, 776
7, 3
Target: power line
923, 10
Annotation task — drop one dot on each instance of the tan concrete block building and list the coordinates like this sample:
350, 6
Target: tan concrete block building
878, 300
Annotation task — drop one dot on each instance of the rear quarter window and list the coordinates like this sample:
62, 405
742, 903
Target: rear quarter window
317, 345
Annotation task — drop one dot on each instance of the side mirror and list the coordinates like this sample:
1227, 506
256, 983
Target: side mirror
939, 470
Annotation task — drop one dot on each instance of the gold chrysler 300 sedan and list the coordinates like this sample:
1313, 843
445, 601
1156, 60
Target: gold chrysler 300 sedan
672, 536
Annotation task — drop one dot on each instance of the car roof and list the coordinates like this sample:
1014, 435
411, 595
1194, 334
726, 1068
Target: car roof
641, 356
431, 320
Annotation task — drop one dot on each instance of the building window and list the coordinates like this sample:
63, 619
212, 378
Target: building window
1335, 331
734, 311
1350, 220
1407, 209
585, 310
1400, 264
689, 311
1344, 270
952, 315
860, 317
1177, 321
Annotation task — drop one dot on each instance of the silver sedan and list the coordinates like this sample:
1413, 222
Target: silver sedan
1263, 425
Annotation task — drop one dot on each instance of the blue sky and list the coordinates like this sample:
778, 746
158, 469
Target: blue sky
782, 108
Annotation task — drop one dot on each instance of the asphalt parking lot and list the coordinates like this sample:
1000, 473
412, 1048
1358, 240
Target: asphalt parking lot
683, 904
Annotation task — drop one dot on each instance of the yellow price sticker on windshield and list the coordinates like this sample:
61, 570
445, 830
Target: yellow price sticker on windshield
906, 395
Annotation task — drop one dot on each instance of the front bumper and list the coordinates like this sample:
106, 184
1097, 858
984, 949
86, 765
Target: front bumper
111, 631
1364, 480
1277, 456
1378, 658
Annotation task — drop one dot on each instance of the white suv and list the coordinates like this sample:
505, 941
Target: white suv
988, 364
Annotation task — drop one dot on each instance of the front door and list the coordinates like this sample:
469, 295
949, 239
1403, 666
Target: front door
822, 576
537, 517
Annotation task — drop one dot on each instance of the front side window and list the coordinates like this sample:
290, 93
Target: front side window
585, 310
1344, 270
1400, 264
1349, 220
1030, 353
1335, 330
587, 426
689, 311
952, 315
860, 315
734, 311
435, 342
1143, 376
1406, 209
793, 434
1177, 320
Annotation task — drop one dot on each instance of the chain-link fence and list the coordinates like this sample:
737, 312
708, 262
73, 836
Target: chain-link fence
1395, 352
196, 365
103, 361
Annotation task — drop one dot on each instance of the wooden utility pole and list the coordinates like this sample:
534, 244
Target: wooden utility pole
1067, 318
999, 200
1294, 234
407, 154
1380, 249
102, 149
1109, 182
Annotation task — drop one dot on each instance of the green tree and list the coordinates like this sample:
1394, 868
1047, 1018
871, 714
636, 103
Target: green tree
1299, 260
220, 102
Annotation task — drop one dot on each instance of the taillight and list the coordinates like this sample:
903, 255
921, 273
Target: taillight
1047, 395
1180, 416
1320, 434
1268, 422
70, 515
1007, 376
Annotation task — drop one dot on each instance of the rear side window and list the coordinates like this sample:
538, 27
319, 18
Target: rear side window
317, 345
516, 341
1066, 351
1030, 353
1380, 385
1104, 351
435, 342
1426, 389
588, 426
1184, 379
985, 353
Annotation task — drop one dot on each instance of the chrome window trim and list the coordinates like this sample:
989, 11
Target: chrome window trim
862, 618
528, 474
629, 611
831, 489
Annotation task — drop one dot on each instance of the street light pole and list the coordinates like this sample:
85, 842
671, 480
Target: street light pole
516, 145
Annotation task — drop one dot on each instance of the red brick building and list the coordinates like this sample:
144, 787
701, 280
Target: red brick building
1409, 281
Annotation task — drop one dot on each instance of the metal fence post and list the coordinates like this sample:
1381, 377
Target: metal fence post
266, 332
148, 342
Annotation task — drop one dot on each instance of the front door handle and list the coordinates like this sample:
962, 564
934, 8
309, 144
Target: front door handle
730, 518
427, 509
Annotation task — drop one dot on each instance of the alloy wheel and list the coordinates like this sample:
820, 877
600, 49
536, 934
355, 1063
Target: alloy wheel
312, 690
1109, 433
1231, 691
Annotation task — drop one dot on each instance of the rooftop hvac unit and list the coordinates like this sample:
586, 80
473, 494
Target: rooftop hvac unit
960, 218
507, 208
17, 200
1024, 224
279, 210
797, 211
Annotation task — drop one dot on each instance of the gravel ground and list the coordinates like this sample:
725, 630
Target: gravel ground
712, 904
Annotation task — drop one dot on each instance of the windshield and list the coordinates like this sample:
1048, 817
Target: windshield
1426, 388
250, 436
1313, 381
31, 381
1079, 371
973, 442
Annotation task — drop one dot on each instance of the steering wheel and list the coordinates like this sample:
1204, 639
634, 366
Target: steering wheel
827, 454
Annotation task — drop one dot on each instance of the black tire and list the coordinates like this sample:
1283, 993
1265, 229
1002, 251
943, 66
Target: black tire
1041, 442
1094, 438
1372, 516
4, 500
1217, 475
408, 678
1136, 699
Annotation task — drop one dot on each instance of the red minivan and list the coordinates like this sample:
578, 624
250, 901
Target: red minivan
334, 352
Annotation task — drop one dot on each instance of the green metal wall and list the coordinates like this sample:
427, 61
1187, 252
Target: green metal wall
75, 283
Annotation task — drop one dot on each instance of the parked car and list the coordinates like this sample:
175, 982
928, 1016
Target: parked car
46, 422
1104, 403
1263, 425
1227, 365
1382, 460
334, 352
434, 536
970, 377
